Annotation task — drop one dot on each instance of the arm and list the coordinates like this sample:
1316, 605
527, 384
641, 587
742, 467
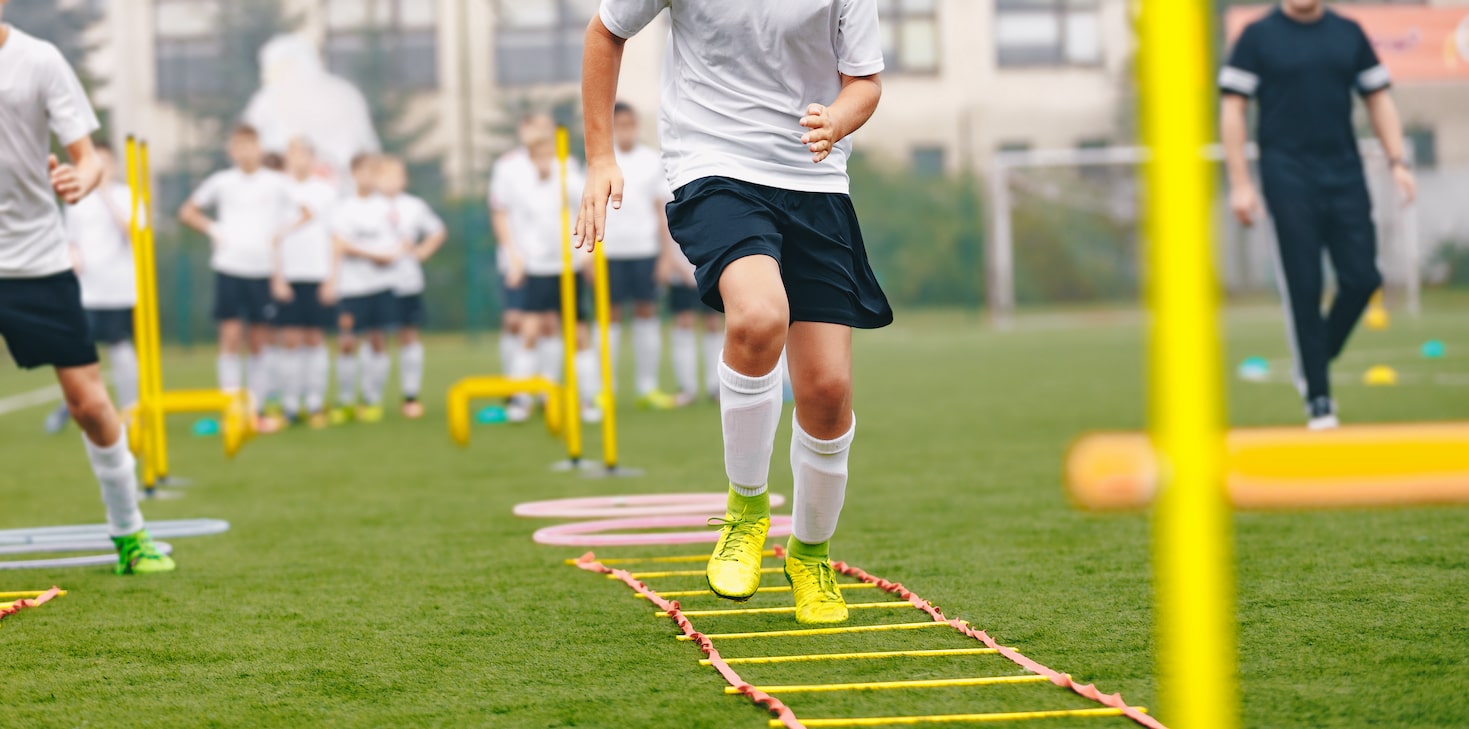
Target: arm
192, 216
328, 291
1234, 133
852, 108
431, 245
76, 180
1383, 112
601, 64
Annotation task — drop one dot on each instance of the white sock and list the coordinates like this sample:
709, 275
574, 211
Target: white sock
117, 473
685, 354
257, 378
374, 368
522, 361
318, 372
349, 367
508, 344
713, 352
550, 362
820, 470
647, 345
292, 378
750, 409
230, 373
124, 360
614, 339
410, 369
276, 363
588, 375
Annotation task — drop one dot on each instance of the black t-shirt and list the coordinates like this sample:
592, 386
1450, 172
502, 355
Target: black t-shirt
1303, 75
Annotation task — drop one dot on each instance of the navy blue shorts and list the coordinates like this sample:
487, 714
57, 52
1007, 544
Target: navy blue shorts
111, 326
243, 299
511, 298
686, 298
43, 323
305, 310
814, 237
370, 313
543, 295
632, 279
410, 310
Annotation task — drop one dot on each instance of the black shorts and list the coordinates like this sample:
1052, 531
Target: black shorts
43, 323
686, 298
410, 310
813, 236
111, 326
305, 310
543, 295
243, 299
511, 299
632, 279
373, 312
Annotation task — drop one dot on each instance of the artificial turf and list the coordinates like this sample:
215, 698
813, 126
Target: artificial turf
374, 575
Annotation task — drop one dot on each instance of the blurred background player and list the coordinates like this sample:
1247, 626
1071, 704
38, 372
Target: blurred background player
1302, 62
41, 316
102, 255
366, 248
636, 253
688, 311
305, 309
422, 233
254, 207
510, 172
534, 261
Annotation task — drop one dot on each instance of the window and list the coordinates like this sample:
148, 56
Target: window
187, 49
909, 35
539, 41
393, 43
1047, 33
928, 161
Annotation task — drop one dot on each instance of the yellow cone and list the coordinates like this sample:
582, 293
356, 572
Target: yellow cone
1380, 375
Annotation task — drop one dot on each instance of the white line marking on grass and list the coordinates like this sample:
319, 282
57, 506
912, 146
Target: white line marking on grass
13, 403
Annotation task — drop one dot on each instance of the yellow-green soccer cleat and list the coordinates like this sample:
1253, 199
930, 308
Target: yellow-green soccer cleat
814, 584
137, 555
341, 415
734, 568
369, 413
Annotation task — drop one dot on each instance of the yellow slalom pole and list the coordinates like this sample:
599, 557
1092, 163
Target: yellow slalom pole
687, 573
957, 718
146, 402
568, 307
602, 293
782, 609
823, 631
870, 655
26, 594
1192, 525
777, 588
678, 558
155, 416
893, 685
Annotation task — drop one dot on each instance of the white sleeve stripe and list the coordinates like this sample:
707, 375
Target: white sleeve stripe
1374, 79
1238, 80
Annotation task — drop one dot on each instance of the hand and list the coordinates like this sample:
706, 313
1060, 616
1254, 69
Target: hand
64, 181
383, 259
327, 293
663, 272
823, 134
280, 290
1407, 184
603, 188
515, 272
1244, 202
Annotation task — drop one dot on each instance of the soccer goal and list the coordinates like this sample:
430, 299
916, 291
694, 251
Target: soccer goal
1066, 229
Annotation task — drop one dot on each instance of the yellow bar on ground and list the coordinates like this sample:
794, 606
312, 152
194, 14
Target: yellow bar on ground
782, 609
568, 306
894, 685
687, 573
812, 657
956, 718
776, 588
678, 558
26, 594
823, 631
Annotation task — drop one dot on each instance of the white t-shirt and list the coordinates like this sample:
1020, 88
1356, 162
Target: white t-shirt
738, 76
306, 253
252, 210
634, 230
414, 221
363, 223
104, 252
511, 171
39, 95
535, 220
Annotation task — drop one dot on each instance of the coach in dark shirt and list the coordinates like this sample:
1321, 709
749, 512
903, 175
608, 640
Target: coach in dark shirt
1302, 62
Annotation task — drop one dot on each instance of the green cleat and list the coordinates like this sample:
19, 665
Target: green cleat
814, 584
137, 555
734, 568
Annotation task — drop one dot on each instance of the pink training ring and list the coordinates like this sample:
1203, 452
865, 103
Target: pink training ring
600, 507
593, 533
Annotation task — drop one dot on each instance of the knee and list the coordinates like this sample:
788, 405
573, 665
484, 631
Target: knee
827, 392
758, 327
91, 409
1361, 283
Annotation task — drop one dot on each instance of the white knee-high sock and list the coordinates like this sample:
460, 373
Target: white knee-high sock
117, 474
257, 378
550, 362
276, 364
588, 374
713, 350
647, 346
410, 369
292, 377
685, 354
317, 364
522, 361
349, 371
229, 372
382, 369
124, 360
750, 409
509, 342
373, 374
820, 470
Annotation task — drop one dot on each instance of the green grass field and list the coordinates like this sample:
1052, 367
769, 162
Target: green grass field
374, 575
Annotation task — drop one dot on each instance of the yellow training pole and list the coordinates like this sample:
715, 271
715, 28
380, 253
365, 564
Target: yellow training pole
146, 403
956, 718
602, 293
1191, 528
893, 685
824, 631
26, 594
155, 416
813, 657
568, 306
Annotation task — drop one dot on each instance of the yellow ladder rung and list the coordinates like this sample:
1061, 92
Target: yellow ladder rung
885, 685
957, 718
679, 558
783, 609
779, 588
26, 594
687, 573
823, 631
809, 657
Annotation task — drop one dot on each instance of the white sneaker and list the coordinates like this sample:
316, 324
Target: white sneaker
518, 411
591, 413
1321, 414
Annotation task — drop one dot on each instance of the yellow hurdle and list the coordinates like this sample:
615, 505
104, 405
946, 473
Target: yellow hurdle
679, 558
895, 685
464, 392
571, 411
957, 718
823, 631
870, 655
687, 573
778, 588
779, 610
